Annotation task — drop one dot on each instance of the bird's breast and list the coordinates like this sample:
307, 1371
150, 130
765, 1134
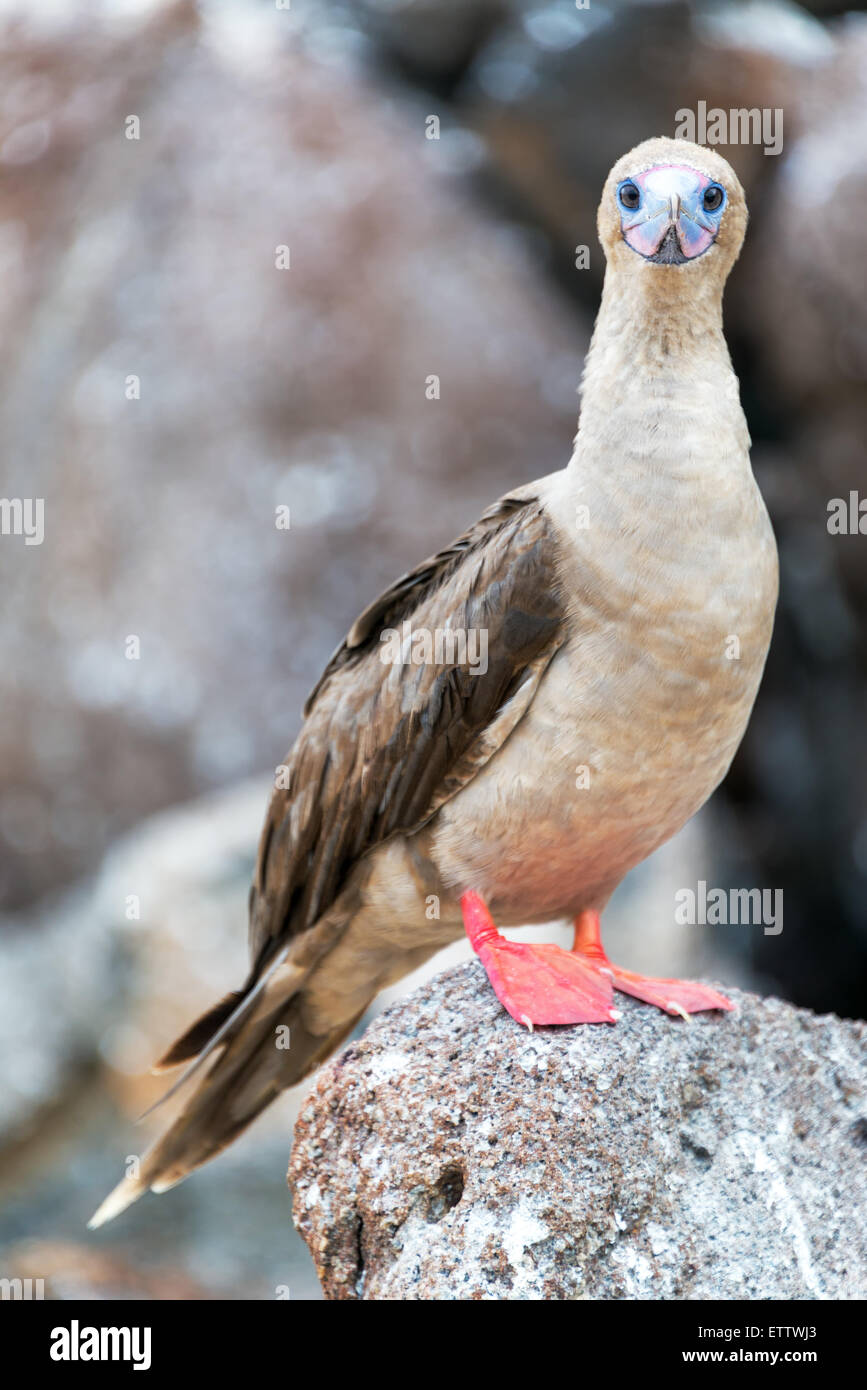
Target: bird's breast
641, 711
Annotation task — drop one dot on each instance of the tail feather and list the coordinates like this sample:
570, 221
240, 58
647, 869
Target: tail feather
245, 1077
227, 1021
127, 1191
190, 1043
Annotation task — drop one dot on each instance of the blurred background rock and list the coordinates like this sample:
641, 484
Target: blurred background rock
305, 388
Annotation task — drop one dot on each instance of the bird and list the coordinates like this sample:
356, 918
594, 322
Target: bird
520, 720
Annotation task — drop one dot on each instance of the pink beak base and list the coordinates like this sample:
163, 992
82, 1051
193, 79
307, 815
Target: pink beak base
672, 197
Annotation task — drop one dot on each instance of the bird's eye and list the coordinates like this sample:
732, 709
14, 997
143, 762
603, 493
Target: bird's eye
630, 197
713, 198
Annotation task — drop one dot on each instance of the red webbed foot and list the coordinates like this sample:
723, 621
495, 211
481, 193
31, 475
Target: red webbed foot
537, 984
681, 997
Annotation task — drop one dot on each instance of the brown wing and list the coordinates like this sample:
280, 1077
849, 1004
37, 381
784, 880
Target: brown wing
384, 745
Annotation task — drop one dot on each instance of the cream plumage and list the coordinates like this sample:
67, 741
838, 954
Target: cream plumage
610, 593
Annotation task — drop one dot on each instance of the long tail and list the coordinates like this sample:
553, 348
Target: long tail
267, 1050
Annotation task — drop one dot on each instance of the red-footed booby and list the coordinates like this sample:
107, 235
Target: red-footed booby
626, 604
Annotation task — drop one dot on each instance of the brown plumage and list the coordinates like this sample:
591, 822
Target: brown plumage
383, 747
411, 783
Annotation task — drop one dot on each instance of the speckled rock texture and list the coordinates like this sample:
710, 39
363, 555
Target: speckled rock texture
450, 1154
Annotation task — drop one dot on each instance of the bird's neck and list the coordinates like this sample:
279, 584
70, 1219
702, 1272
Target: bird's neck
659, 397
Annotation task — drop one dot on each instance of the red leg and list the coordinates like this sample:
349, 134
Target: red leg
682, 997
536, 984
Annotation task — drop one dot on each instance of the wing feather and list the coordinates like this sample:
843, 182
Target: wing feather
383, 746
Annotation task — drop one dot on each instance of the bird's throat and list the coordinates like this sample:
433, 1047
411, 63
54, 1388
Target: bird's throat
658, 392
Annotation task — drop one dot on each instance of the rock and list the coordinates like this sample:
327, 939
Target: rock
431, 40
260, 387
544, 81
812, 355
65, 1271
151, 941
89, 997
154, 938
452, 1154
806, 831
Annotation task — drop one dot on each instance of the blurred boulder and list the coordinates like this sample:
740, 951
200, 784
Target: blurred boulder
450, 1154
431, 40
559, 94
795, 792
103, 978
93, 987
66, 1272
806, 279
179, 390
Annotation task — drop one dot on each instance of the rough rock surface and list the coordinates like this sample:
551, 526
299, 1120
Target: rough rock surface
451, 1154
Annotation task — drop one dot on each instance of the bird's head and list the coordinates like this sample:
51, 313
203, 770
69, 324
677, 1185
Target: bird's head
671, 208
